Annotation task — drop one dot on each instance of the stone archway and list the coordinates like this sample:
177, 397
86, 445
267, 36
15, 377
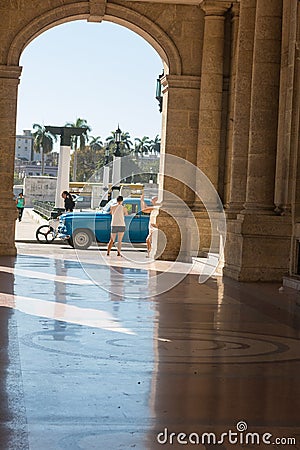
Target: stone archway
118, 14
36, 23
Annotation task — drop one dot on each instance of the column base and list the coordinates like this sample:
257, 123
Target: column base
172, 243
7, 235
258, 247
195, 238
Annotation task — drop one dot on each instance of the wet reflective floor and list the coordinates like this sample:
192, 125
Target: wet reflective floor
91, 358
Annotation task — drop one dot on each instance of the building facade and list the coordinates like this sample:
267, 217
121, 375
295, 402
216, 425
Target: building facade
24, 147
231, 96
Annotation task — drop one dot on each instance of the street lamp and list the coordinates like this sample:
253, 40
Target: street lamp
106, 155
158, 94
104, 198
116, 171
151, 176
118, 134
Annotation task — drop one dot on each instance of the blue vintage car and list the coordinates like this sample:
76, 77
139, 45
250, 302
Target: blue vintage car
83, 228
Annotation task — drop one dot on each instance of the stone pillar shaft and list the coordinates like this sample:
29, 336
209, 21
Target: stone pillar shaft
180, 127
237, 181
179, 138
264, 107
283, 163
9, 80
232, 81
210, 108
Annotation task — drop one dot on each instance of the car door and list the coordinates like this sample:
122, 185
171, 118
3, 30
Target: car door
102, 227
133, 227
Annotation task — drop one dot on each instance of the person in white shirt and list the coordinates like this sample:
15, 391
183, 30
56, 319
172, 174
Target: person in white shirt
118, 212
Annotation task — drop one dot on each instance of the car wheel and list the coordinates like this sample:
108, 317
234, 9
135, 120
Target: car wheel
82, 239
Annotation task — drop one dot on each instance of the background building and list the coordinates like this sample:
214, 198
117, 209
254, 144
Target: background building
24, 147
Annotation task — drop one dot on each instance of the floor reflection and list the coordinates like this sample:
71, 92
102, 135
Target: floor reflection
13, 419
83, 365
225, 358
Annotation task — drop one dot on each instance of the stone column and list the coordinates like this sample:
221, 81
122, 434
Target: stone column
210, 108
237, 166
229, 112
264, 108
287, 72
9, 80
179, 138
258, 241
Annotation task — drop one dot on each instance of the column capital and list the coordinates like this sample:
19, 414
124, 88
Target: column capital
11, 72
180, 81
215, 7
235, 10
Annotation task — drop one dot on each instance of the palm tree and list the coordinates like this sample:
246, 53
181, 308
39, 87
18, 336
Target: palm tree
155, 145
43, 142
95, 142
83, 139
126, 143
142, 145
111, 140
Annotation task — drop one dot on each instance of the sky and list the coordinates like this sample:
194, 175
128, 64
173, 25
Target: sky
101, 72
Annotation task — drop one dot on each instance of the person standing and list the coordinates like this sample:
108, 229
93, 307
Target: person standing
152, 219
118, 212
69, 202
20, 201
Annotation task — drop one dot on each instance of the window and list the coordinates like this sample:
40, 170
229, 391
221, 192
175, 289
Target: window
132, 208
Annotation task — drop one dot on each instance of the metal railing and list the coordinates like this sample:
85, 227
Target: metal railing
44, 209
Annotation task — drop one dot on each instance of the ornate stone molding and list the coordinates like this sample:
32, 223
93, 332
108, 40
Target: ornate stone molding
97, 10
180, 81
11, 72
215, 7
44, 22
94, 9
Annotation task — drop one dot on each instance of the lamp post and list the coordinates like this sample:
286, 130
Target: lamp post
151, 176
116, 171
158, 94
104, 199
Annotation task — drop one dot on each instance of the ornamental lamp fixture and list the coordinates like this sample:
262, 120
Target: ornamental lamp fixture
118, 134
158, 94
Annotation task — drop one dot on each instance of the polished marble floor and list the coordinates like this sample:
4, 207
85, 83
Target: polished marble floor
106, 354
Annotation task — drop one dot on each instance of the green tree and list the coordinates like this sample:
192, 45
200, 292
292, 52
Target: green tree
78, 141
155, 145
89, 160
126, 143
95, 142
142, 145
43, 142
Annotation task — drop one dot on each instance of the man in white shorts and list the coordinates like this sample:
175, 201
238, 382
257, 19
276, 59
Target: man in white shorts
118, 212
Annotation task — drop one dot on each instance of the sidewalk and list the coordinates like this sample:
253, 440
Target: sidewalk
25, 230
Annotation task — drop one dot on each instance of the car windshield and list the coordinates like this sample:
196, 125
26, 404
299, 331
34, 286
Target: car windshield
106, 208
